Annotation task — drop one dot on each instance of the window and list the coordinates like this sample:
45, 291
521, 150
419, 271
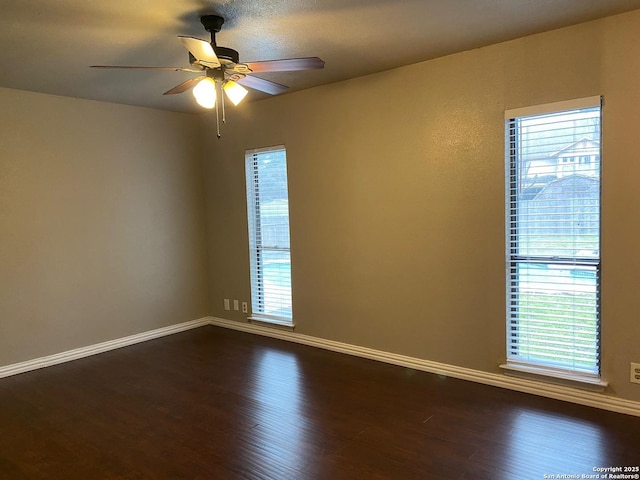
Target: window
553, 239
269, 247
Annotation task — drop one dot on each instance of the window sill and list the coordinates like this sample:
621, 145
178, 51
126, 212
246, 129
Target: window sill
280, 323
558, 377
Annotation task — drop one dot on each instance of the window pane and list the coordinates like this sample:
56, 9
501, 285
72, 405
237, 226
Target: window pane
558, 184
554, 316
276, 282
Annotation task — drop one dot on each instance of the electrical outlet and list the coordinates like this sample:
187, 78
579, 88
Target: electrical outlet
236, 305
226, 304
245, 307
635, 373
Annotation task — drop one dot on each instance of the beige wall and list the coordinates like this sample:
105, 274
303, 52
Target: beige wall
101, 221
397, 196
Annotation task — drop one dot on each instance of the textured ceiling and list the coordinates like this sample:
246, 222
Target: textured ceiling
48, 45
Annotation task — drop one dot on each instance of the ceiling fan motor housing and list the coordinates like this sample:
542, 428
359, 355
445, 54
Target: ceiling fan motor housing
228, 54
213, 24
215, 73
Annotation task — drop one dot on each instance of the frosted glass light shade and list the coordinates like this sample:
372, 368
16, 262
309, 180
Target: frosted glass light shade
205, 93
235, 92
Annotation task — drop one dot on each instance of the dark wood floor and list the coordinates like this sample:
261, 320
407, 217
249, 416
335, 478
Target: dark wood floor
218, 404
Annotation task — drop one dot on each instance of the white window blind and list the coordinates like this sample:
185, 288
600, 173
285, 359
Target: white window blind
269, 245
553, 238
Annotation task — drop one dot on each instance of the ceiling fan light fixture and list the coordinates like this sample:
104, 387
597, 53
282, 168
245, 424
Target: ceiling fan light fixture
205, 93
234, 91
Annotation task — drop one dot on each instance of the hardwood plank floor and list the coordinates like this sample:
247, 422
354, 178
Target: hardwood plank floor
213, 403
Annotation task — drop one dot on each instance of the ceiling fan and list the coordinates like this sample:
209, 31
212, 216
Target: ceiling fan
220, 68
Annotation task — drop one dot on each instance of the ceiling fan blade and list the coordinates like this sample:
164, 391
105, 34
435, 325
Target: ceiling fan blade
286, 65
201, 50
184, 86
261, 84
173, 69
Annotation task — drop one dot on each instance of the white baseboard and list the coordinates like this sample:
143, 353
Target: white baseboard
82, 352
558, 392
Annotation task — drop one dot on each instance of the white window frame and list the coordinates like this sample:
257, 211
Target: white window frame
527, 365
271, 299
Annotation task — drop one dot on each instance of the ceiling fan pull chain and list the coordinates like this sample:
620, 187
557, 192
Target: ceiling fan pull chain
224, 118
217, 120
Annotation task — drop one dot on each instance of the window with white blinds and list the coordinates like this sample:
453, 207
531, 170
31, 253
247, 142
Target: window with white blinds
269, 246
553, 239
